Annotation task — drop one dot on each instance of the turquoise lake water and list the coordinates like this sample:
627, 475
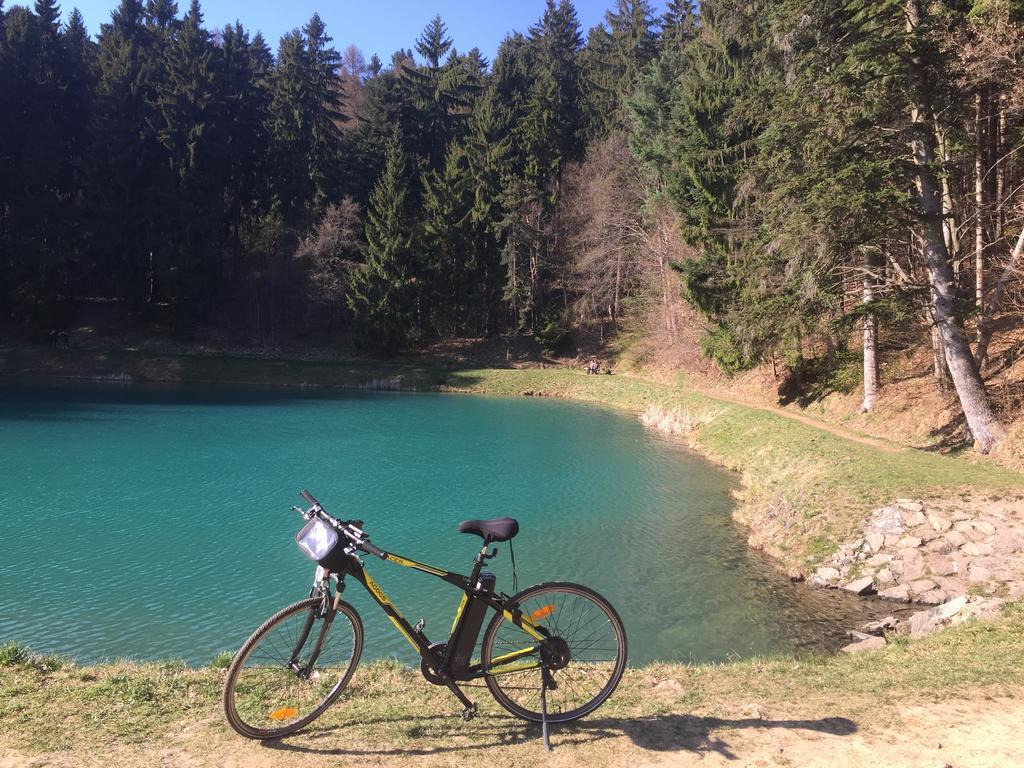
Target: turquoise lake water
154, 523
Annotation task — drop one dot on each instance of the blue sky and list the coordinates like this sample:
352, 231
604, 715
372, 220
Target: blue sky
376, 26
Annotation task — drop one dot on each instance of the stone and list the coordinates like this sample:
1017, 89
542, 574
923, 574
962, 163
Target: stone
874, 541
887, 520
878, 560
975, 549
939, 547
871, 644
951, 585
857, 635
825, 576
975, 535
922, 585
892, 540
910, 505
862, 586
932, 597
941, 566
984, 526
938, 522
928, 621
896, 567
899, 593
1006, 543
979, 608
950, 609
909, 542
885, 576
977, 575
913, 569
912, 517
964, 526
955, 538
880, 626
923, 622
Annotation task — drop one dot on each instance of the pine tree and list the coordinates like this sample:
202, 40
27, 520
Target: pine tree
434, 43
325, 113
244, 72
128, 168
384, 292
189, 114
304, 116
450, 243
679, 24
290, 126
553, 115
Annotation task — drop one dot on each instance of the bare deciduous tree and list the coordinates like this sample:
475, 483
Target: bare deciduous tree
331, 250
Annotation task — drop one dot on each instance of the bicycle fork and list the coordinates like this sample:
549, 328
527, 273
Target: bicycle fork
304, 671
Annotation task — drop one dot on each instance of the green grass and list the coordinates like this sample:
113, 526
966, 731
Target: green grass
12, 653
87, 708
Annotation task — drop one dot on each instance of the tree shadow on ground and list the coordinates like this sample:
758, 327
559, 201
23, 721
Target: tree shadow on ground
951, 437
657, 733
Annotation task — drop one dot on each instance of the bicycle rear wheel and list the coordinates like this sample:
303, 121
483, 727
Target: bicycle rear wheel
292, 669
590, 629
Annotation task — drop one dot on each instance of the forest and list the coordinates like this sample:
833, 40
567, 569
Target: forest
814, 182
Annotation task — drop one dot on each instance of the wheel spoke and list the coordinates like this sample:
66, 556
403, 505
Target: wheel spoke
596, 643
264, 697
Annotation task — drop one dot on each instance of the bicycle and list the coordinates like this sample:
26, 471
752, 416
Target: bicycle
552, 653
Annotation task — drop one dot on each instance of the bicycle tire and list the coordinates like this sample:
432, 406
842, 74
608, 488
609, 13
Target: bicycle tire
241, 715
501, 686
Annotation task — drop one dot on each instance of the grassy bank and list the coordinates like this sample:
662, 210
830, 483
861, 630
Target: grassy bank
805, 489
129, 711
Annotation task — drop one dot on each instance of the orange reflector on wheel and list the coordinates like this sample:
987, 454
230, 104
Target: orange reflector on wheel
542, 613
285, 713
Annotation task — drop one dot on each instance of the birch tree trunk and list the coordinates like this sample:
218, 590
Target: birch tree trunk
1011, 268
870, 341
981, 146
970, 389
948, 212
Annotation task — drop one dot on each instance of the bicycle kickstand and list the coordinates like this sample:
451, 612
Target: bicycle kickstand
545, 683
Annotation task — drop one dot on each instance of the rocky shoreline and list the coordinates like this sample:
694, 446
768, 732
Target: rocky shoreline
965, 558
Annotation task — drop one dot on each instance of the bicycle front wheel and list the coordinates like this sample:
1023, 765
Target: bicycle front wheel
292, 669
577, 619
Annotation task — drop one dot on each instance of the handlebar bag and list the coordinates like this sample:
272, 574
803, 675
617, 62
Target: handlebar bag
322, 544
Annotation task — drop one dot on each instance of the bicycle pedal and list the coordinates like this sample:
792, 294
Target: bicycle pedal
468, 713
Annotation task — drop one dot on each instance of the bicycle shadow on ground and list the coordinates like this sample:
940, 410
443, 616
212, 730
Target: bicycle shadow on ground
657, 733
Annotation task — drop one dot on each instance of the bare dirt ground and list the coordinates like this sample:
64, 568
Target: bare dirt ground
971, 732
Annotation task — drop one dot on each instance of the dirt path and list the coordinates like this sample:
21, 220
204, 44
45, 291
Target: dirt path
974, 732
834, 429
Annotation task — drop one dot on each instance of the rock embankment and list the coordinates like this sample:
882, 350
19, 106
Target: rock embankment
913, 551
964, 558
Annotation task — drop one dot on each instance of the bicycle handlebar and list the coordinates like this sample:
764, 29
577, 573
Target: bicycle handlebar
367, 546
352, 529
